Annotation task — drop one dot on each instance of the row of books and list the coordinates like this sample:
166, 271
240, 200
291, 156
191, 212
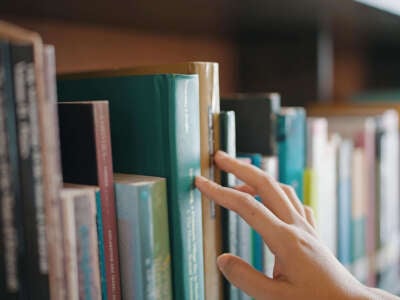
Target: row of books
343, 161
99, 202
78, 219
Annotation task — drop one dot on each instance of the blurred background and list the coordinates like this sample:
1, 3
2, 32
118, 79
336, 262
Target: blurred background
309, 50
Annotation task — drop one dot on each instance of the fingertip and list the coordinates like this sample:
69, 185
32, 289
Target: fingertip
223, 260
220, 155
200, 180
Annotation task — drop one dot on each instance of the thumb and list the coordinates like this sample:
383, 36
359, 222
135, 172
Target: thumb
245, 277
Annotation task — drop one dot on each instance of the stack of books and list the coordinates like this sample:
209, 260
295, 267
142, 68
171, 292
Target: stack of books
97, 199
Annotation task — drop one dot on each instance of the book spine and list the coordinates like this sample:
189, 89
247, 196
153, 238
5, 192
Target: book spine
358, 210
87, 243
31, 178
100, 245
229, 218
129, 241
344, 203
209, 144
291, 148
146, 241
104, 158
161, 255
256, 241
11, 243
52, 175
185, 210
70, 244
245, 247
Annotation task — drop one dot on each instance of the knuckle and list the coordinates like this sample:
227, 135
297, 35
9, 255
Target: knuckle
296, 238
289, 190
309, 210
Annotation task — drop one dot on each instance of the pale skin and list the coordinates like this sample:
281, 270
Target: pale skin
305, 268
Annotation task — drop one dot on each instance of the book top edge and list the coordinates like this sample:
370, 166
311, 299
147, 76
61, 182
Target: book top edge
67, 185
194, 67
134, 179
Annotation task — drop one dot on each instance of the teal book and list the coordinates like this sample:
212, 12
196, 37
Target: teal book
257, 245
229, 218
344, 204
291, 139
155, 132
143, 237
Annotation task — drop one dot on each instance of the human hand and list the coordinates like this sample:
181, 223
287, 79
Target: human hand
304, 267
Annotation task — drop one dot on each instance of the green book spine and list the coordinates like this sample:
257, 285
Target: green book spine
155, 131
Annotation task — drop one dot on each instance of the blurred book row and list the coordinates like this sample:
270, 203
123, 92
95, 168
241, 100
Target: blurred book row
97, 198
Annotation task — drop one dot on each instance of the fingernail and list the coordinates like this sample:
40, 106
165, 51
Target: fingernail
221, 153
222, 261
200, 180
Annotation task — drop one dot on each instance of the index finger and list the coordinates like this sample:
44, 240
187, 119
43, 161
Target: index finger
253, 212
265, 186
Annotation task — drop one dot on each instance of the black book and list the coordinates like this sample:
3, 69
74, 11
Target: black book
256, 116
87, 159
230, 237
11, 245
35, 260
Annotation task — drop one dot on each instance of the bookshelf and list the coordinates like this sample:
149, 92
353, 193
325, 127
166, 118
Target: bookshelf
263, 46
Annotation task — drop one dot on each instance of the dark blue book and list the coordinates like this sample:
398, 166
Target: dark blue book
11, 243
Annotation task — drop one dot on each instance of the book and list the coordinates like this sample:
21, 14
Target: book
208, 73
35, 260
155, 132
256, 116
359, 185
143, 237
230, 242
244, 236
11, 245
80, 242
70, 242
100, 262
317, 138
387, 153
257, 245
87, 245
86, 146
329, 210
291, 140
344, 207
49, 153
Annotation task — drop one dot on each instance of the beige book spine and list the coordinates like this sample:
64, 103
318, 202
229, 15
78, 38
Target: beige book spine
69, 242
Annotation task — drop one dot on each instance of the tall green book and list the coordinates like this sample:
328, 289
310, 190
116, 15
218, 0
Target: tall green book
143, 237
155, 132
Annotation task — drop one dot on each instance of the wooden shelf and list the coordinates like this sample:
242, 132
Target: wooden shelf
211, 16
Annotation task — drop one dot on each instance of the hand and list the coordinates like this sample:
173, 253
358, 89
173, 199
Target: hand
304, 267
